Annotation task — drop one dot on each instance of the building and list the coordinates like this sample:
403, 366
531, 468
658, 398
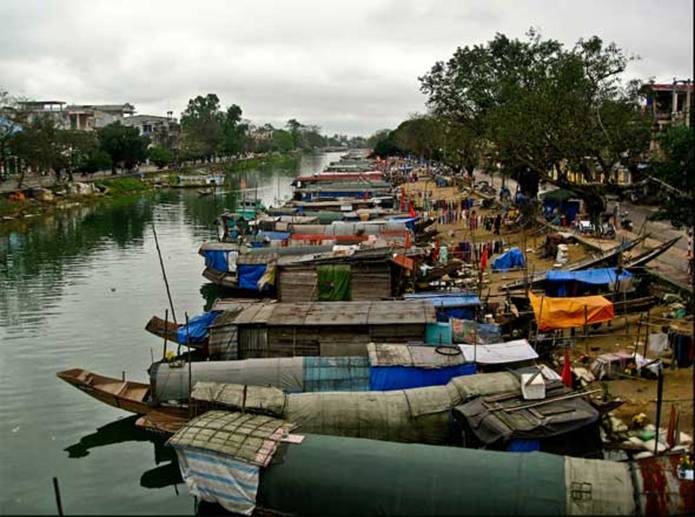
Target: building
88, 117
82, 117
669, 104
164, 131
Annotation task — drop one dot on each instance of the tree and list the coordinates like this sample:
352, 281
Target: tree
383, 144
282, 141
311, 138
674, 168
123, 144
202, 125
293, 126
12, 120
81, 150
96, 160
160, 156
233, 130
544, 110
37, 145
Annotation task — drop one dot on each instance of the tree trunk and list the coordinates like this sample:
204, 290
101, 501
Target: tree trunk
21, 177
528, 182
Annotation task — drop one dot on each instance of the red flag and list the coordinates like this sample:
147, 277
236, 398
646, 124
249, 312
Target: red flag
483, 259
411, 210
566, 370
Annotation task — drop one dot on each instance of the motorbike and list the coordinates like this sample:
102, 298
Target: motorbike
606, 231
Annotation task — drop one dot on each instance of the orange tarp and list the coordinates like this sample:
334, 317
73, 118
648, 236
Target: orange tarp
565, 313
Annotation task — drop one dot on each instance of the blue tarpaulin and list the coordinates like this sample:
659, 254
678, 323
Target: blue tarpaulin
598, 276
513, 258
560, 283
336, 374
249, 274
409, 221
382, 378
217, 260
197, 328
274, 236
522, 445
450, 305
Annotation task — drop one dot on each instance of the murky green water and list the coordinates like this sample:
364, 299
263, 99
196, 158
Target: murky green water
76, 290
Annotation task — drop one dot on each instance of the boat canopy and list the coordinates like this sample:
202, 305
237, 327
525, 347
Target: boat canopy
564, 313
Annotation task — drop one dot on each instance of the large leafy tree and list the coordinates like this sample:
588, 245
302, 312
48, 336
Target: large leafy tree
38, 146
282, 141
674, 171
233, 130
12, 120
294, 127
202, 123
123, 144
545, 111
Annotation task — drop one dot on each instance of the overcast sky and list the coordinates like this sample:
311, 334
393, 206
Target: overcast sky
348, 66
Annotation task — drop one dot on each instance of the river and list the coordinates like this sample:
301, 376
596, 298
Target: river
76, 289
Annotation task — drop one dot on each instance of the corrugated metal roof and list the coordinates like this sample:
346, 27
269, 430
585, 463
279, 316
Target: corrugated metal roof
385, 354
338, 313
218, 246
446, 299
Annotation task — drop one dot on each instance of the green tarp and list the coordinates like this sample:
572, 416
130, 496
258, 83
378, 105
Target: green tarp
334, 283
328, 475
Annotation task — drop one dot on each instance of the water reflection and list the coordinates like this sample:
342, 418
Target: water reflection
124, 430
76, 289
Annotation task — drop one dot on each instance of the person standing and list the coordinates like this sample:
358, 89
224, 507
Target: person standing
497, 224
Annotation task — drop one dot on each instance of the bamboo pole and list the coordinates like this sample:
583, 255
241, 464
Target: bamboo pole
166, 325
646, 336
190, 373
659, 401
164, 273
56, 491
538, 323
586, 329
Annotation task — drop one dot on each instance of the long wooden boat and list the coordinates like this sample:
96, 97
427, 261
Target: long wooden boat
587, 263
129, 396
651, 254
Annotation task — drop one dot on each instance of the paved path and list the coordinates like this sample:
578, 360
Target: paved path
36, 180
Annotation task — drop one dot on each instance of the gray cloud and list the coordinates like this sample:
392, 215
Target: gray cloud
348, 67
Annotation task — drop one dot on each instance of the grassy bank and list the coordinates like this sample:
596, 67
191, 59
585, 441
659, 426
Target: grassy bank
111, 189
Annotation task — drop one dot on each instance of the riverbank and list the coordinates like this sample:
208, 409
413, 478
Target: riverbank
34, 201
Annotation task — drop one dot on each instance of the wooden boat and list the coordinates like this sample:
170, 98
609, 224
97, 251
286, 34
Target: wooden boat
588, 263
161, 328
161, 422
651, 254
122, 394
127, 395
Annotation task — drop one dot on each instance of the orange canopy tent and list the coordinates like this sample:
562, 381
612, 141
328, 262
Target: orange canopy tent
565, 313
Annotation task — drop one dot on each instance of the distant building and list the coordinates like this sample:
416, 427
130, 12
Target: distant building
82, 117
164, 131
669, 103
